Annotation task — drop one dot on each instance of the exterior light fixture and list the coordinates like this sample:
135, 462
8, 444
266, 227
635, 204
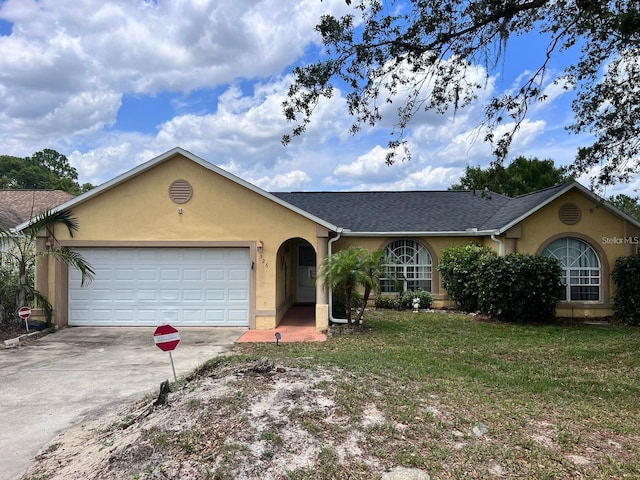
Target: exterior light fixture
260, 246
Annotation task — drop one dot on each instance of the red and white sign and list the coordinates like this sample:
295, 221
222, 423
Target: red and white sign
166, 337
24, 313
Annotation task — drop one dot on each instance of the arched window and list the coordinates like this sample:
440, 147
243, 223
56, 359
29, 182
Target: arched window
408, 267
581, 268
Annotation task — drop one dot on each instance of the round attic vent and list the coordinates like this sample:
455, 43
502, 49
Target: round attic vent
180, 191
570, 214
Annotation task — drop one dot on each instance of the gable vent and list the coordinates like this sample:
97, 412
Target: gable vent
180, 191
570, 214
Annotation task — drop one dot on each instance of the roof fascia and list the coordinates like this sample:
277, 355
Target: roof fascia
558, 194
455, 233
164, 157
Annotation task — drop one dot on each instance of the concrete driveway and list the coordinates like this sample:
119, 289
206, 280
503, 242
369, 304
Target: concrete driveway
54, 382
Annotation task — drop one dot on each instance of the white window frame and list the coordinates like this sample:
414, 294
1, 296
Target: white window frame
581, 269
413, 266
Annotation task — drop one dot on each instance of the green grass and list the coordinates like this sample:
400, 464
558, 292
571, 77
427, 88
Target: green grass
576, 385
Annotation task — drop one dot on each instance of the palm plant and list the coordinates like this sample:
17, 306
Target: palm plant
19, 251
350, 268
341, 270
371, 270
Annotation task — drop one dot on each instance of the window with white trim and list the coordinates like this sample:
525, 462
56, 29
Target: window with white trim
408, 267
580, 268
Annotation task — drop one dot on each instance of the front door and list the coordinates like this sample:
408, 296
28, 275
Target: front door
306, 284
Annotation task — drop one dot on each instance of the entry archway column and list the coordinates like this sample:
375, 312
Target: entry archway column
322, 296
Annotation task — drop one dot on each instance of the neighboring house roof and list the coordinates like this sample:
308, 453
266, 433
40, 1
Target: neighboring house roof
18, 206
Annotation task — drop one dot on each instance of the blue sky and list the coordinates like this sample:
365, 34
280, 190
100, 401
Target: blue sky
113, 84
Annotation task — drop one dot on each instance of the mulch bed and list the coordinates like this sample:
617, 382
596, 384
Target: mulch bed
14, 330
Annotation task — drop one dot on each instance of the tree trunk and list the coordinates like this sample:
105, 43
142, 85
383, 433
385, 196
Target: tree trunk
365, 299
347, 294
21, 294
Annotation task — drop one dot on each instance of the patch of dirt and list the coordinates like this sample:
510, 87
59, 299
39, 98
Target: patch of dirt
12, 330
228, 421
256, 420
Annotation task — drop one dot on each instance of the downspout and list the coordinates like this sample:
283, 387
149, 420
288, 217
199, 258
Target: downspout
329, 252
499, 242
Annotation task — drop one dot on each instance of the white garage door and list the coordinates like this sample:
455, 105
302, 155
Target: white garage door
154, 286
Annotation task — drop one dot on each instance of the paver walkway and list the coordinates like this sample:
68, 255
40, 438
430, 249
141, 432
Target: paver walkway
298, 325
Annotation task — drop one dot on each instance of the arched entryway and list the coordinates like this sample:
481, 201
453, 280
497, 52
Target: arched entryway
296, 281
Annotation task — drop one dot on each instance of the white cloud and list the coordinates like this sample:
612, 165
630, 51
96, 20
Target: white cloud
68, 67
371, 164
66, 54
294, 180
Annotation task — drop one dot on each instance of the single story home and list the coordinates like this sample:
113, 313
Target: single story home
179, 240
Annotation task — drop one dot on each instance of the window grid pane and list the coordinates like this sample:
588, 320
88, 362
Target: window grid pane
581, 268
409, 267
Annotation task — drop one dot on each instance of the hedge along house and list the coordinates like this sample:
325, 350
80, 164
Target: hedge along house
178, 240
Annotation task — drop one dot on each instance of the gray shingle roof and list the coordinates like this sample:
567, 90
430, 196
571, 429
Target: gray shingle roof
417, 211
18, 206
519, 206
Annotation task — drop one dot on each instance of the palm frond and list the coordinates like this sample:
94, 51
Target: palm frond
48, 218
40, 301
74, 260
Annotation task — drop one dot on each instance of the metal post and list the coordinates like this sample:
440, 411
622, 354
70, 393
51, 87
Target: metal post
173, 367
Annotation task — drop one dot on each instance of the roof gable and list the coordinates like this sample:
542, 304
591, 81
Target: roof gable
525, 205
462, 212
194, 158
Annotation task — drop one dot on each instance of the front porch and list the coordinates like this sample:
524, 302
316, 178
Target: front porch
298, 325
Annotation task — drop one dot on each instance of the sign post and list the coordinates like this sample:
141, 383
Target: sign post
167, 339
25, 313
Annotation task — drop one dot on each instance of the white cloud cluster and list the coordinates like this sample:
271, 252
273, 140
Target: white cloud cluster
68, 67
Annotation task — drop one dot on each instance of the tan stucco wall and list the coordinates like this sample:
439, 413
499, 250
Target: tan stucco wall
221, 212
598, 226
435, 246
139, 212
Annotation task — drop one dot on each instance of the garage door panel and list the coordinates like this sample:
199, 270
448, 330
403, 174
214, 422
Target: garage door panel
215, 295
192, 275
193, 295
237, 315
169, 274
213, 274
169, 295
201, 286
147, 295
238, 295
238, 274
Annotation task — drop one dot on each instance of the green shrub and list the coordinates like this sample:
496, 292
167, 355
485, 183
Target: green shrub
519, 287
626, 272
390, 302
406, 300
458, 269
8, 294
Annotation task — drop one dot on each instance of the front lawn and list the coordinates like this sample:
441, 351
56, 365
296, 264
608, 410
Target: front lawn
460, 398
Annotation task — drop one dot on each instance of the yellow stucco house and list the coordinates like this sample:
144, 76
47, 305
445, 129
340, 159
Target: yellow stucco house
178, 240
